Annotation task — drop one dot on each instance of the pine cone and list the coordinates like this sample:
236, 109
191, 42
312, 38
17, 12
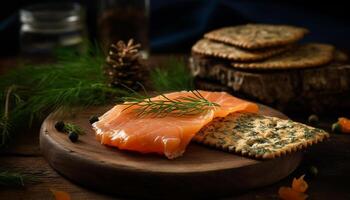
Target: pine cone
123, 67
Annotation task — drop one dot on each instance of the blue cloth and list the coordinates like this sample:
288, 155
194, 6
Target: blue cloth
177, 24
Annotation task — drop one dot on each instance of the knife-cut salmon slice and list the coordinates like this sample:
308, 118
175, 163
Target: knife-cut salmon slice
168, 135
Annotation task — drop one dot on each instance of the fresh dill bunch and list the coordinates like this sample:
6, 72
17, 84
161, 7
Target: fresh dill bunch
31, 92
173, 76
187, 105
14, 179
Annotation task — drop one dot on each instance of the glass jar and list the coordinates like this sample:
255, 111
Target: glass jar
123, 20
51, 25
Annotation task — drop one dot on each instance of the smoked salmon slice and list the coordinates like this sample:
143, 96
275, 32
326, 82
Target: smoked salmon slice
168, 135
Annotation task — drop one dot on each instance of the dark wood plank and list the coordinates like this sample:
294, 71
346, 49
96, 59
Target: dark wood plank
25, 143
47, 179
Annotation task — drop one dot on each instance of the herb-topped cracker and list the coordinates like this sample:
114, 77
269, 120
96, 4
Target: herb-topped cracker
303, 56
255, 36
222, 50
258, 136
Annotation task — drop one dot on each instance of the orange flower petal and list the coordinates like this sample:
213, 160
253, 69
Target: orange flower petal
287, 193
60, 195
299, 184
344, 124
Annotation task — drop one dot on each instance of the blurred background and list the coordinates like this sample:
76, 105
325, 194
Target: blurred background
173, 26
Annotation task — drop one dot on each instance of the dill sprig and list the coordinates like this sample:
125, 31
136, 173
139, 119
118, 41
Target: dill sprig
69, 127
4, 130
14, 179
187, 105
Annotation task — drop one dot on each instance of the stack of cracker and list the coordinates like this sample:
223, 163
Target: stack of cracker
265, 63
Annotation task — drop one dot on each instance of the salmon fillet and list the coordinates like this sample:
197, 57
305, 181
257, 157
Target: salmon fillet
169, 135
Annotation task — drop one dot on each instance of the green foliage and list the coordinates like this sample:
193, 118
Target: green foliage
4, 131
33, 91
68, 128
174, 76
14, 179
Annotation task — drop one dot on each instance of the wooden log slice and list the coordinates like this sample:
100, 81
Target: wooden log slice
201, 172
325, 89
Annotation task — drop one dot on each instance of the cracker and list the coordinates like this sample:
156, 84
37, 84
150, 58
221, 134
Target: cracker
258, 136
256, 36
221, 50
303, 56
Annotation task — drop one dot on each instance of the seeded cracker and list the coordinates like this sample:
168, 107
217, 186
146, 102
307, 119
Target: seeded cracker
303, 56
255, 36
221, 50
258, 136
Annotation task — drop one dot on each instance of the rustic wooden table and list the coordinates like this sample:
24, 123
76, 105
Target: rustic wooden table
332, 158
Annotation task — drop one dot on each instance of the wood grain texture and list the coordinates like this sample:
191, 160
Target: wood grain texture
201, 172
45, 179
330, 183
324, 89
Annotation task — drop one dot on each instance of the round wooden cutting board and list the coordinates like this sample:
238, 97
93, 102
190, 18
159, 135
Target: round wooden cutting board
200, 172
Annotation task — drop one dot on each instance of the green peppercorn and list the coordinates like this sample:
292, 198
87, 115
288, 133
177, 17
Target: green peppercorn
312, 171
313, 119
60, 126
73, 136
336, 128
93, 119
